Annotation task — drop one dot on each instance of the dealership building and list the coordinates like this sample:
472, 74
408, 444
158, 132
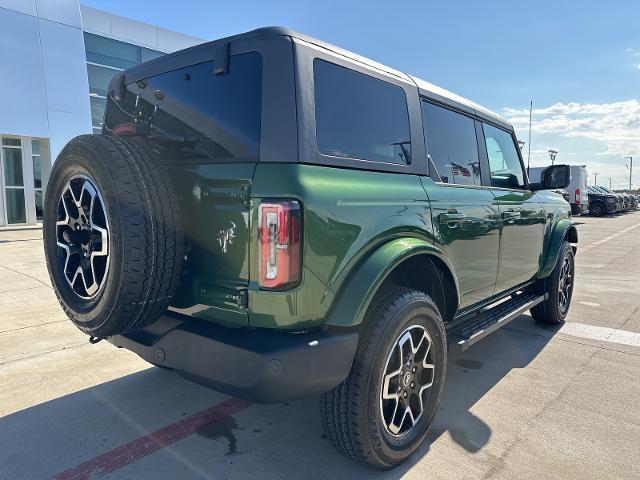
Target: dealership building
57, 59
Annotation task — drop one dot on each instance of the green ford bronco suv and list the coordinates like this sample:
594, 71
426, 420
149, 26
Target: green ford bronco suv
275, 217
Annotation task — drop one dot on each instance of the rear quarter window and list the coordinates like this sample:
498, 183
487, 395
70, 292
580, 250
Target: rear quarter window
359, 116
199, 114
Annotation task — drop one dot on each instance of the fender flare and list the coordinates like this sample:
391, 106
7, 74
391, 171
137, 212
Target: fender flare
358, 291
562, 229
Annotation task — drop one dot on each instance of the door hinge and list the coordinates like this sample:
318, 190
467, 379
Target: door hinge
246, 195
243, 299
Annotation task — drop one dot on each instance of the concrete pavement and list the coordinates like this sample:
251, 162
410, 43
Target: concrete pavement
526, 402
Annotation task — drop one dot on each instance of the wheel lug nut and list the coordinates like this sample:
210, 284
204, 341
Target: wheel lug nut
413, 370
413, 384
405, 394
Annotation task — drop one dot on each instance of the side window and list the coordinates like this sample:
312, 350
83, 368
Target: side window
504, 163
452, 145
358, 116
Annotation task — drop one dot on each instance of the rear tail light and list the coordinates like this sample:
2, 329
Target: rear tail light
279, 237
577, 196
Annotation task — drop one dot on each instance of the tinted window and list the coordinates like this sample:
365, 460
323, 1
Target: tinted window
504, 163
358, 116
199, 114
451, 143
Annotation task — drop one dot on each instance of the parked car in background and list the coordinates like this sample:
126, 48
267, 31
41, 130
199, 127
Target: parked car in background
579, 199
576, 192
624, 200
602, 203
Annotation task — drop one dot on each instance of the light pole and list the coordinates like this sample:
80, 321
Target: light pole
595, 179
552, 155
630, 167
610, 184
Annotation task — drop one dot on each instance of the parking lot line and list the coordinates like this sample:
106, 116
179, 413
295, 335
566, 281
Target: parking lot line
611, 237
133, 451
604, 334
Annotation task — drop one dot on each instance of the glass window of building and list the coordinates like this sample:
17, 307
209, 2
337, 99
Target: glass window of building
105, 58
37, 176
11, 159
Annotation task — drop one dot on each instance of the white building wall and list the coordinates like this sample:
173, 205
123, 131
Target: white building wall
44, 92
22, 98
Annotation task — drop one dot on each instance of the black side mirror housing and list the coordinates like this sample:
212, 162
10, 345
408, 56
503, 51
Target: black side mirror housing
554, 177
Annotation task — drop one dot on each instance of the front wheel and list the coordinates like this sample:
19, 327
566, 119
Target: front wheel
382, 412
559, 289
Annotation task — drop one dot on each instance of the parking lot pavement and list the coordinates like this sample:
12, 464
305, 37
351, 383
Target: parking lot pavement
526, 402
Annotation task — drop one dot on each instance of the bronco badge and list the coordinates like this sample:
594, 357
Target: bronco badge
225, 237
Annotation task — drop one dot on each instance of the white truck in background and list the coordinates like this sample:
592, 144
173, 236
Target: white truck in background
578, 197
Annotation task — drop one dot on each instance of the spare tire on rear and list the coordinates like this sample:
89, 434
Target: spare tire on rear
113, 237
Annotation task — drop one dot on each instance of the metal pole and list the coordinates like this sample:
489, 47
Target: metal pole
529, 153
610, 184
630, 171
595, 179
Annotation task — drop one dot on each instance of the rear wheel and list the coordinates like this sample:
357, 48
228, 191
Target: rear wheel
381, 413
112, 235
559, 289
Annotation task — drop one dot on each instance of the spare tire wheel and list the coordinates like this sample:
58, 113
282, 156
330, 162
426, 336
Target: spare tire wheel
113, 237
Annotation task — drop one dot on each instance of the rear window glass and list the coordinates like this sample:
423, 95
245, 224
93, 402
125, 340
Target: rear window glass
196, 113
358, 116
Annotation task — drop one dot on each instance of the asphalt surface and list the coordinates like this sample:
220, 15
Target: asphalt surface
525, 403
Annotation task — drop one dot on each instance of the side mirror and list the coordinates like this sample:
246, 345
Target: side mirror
554, 177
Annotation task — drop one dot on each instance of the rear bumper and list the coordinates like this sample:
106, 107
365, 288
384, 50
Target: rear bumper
579, 208
258, 365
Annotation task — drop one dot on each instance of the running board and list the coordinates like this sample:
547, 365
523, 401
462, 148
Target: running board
475, 327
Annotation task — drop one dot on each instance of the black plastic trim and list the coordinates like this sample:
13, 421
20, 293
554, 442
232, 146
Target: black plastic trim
260, 365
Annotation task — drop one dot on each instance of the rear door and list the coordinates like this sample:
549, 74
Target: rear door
465, 214
522, 214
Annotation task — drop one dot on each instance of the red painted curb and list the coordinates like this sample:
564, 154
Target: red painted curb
133, 451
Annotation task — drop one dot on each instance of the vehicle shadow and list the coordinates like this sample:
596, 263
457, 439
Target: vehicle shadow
270, 441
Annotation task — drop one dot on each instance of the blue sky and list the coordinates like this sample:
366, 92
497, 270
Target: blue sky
579, 61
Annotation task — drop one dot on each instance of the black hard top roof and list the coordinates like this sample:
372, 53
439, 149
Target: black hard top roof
425, 88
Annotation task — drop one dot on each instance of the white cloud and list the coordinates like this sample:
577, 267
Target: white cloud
616, 125
638, 66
